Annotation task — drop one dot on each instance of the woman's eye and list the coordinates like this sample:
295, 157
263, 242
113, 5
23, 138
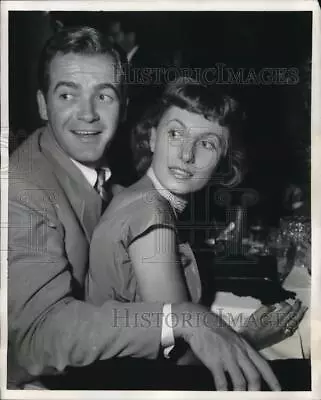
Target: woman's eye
66, 96
106, 98
175, 133
206, 144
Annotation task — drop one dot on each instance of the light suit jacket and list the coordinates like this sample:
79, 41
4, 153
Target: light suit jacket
52, 213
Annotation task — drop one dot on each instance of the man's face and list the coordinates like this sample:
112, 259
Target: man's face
82, 104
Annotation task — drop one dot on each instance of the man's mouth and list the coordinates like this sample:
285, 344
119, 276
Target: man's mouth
85, 133
180, 173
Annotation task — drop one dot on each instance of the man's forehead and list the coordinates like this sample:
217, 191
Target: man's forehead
84, 66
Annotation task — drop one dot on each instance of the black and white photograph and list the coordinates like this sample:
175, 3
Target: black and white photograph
199, 120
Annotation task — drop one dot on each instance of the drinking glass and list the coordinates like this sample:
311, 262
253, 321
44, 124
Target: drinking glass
283, 248
297, 229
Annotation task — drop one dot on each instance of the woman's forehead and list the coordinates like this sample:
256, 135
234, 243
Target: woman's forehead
193, 122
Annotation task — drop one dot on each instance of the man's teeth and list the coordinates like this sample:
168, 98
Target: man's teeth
88, 133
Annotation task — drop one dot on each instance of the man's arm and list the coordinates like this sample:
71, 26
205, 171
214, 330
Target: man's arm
48, 328
221, 349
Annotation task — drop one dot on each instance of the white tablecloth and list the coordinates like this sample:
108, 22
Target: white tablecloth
235, 309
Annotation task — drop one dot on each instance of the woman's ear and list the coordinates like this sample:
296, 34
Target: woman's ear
152, 139
42, 105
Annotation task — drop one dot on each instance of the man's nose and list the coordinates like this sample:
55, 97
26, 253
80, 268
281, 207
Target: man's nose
87, 111
187, 151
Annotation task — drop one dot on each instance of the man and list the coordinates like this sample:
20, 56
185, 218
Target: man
53, 209
144, 71
124, 37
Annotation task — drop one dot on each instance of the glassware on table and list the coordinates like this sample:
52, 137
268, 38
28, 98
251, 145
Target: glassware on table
222, 235
298, 230
256, 241
283, 248
258, 231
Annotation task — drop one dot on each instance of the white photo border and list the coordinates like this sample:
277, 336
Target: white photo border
184, 5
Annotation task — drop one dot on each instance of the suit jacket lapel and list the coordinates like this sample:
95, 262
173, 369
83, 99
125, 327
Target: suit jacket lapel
84, 200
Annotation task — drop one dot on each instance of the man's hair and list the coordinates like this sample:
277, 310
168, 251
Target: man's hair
213, 103
80, 40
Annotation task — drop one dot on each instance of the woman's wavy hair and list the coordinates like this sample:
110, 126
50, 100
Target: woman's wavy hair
214, 104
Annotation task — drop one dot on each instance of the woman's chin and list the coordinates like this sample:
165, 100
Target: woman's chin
180, 190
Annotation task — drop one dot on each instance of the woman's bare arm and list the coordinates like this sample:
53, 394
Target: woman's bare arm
157, 267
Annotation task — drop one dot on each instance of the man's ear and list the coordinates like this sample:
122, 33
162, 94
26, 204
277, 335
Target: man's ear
42, 105
152, 139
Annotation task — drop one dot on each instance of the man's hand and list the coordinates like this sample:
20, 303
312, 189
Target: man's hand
221, 349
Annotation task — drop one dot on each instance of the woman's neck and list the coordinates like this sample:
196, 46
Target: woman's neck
177, 202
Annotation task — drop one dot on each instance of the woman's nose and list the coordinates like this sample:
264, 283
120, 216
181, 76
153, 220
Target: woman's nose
187, 151
87, 111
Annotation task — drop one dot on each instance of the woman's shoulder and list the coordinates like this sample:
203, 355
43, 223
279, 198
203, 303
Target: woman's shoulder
134, 210
141, 194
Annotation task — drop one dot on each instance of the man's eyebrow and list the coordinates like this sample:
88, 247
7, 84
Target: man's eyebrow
106, 85
69, 84
74, 85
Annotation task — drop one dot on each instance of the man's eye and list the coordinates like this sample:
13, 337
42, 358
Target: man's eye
106, 98
175, 133
66, 96
206, 144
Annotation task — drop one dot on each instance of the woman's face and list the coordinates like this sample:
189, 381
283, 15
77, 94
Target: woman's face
187, 148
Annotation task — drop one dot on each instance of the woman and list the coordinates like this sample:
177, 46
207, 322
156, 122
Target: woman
136, 254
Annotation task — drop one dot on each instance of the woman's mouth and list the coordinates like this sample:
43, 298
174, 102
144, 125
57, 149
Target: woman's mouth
180, 173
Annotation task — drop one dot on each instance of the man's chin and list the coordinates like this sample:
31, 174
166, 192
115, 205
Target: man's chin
89, 161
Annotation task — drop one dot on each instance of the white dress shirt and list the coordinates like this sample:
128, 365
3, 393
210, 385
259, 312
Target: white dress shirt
90, 174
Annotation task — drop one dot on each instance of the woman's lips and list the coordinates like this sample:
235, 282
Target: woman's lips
180, 173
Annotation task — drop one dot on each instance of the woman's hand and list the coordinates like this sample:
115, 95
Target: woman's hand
269, 325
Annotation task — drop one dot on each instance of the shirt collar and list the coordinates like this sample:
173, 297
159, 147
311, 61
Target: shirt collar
130, 55
90, 174
176, 202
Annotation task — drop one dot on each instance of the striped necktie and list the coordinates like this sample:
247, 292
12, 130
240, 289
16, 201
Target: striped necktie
103, 188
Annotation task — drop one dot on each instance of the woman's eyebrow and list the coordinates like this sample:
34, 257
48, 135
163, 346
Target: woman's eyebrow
211, 133
206, 133
221, 139
178, 121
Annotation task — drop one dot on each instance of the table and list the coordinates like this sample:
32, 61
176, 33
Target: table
236, 294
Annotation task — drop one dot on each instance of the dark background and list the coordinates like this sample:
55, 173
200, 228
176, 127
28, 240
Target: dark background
277, 129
